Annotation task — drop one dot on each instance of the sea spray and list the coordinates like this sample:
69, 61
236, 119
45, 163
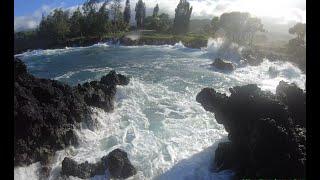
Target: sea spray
223, 48
156, 120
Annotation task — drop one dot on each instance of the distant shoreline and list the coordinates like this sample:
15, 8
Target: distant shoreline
189, 41
165, 39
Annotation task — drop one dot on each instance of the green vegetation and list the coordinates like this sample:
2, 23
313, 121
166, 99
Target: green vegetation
238, 27
140, 13
182, 17
160, 23
297, 46
127, 12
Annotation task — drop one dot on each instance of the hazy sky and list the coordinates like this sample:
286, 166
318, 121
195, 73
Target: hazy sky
27, 13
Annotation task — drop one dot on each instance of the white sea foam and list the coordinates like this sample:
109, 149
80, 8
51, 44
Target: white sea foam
221, 47
157, 121
28, 172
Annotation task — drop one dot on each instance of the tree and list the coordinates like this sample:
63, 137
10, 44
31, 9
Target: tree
182, 17
102, 20
90, 17
55, 26
161, 23
140, 13
127, 12
253, 25
116, 10
155, 11
76, 25
300, 30
240, 27
215, 24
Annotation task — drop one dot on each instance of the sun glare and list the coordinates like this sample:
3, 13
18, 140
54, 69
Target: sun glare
285, 10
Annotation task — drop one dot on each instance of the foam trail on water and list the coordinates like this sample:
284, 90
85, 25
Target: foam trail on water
27, 172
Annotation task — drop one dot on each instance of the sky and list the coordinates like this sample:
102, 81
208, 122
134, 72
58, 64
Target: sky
27, 13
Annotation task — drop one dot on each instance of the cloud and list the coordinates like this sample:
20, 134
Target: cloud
31, 21
24, 23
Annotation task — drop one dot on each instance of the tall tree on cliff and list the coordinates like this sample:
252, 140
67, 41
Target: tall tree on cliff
127, 12
182, 17
155, 11
140, 13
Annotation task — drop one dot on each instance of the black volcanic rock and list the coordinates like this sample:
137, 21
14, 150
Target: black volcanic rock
266, 140
46, 112
116, 161
223, 65
119, 164
252, 56
295, 98
101, 93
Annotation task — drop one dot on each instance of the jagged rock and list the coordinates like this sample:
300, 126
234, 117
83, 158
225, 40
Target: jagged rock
223, 65
101, 93
295, 98
266, 141
119, 164
116, 161
46, 111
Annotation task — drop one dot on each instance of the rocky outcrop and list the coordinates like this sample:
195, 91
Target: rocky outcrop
252, 57
223, 65
46, 112
101, 93
266, 132
117, 163
295, 99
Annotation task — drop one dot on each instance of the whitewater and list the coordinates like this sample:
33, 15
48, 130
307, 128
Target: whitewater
157, 121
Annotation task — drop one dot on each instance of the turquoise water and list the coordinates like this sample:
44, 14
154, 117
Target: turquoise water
167, 134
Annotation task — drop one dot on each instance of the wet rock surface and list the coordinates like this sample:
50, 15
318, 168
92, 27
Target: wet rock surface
267, 131
223, 64
46, 112
117, 163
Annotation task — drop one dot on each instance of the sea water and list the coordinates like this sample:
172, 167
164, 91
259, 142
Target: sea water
157, 121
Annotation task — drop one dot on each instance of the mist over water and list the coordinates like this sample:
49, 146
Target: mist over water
157, 121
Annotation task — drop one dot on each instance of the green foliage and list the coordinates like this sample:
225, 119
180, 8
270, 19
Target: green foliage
140, 13
182, 17
102, 24
239, 27
214, 24
297, 46
55, 26
299, 29
160, 23
76, 23
155, 11
127, 12
116, 10
91, 22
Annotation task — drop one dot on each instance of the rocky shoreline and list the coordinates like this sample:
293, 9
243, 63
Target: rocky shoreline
47, 111
116, 163
267, 131
124, 41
